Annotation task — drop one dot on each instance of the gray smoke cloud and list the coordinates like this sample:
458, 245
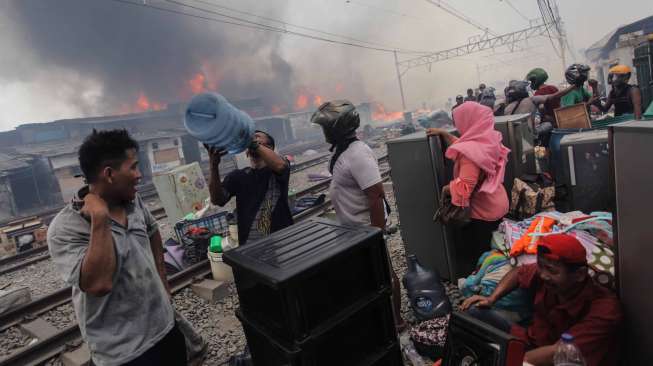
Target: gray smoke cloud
121, 51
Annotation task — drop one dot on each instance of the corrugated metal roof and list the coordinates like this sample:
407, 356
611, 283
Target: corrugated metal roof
609, 42
9, 162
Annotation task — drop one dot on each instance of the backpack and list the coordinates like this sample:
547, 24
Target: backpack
531, 194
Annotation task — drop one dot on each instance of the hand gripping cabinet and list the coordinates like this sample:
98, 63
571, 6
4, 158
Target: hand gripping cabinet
316, 294
631, 144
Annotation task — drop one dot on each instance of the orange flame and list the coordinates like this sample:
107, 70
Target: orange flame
301, 102
381, 115
143, 104
197, 83
276, 109
317, 100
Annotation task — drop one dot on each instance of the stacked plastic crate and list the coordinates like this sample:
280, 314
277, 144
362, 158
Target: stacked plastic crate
317, 293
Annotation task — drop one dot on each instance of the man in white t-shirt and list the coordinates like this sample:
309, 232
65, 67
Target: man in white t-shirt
356, 188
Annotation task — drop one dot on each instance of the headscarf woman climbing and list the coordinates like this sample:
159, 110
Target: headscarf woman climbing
479, 167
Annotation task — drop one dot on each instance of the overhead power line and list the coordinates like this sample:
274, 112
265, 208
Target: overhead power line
460, 15
287, 24
509, 3
389, 11
239, 22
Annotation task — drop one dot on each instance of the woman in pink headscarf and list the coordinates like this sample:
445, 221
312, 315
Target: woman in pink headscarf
479, 166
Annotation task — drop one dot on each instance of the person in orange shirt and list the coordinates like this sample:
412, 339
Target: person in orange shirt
479, 167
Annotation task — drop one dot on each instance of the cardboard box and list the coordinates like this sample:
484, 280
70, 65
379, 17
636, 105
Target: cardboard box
7, 246
182, 190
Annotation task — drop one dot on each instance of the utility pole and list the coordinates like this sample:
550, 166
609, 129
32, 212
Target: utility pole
478, 73
401, 86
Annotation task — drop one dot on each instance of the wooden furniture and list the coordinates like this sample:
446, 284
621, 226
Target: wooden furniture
573, 116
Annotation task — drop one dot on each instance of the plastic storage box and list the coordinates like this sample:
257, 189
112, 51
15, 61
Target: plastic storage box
364, 336
306, 275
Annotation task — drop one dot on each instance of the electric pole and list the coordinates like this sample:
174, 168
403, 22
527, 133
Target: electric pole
401, 86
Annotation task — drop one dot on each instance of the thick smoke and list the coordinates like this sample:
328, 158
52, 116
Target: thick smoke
105, 54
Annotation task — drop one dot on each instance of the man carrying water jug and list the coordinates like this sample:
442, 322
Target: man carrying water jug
356, 188
261, 190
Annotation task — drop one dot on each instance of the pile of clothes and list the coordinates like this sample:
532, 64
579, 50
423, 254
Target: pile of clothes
515, 244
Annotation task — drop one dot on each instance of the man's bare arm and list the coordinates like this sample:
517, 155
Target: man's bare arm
273, 160
375, 196
99, 263
156, 244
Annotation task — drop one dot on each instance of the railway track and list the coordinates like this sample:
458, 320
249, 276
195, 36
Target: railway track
69, 338
48, 214
148, 193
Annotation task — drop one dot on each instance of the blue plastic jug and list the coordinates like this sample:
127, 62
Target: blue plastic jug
427, 295
211, 119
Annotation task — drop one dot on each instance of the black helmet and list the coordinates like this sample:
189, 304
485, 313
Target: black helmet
577, 74
516, 90
338, 119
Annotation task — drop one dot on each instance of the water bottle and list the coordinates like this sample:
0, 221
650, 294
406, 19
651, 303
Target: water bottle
211, 119
567, 354
427, 295
409, 351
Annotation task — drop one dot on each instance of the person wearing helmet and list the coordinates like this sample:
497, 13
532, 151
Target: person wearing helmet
626, 98
261, 190
517, 98
487, 97
577, 75
537, 77
356, 189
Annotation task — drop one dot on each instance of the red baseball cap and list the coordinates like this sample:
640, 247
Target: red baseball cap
563, 248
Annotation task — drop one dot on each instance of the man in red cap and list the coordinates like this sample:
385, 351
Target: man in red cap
566, 300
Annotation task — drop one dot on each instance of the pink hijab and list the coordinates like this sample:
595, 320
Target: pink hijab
480, 143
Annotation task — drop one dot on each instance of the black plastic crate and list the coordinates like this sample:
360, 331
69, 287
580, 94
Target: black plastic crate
215, 224
301, 277
364, 337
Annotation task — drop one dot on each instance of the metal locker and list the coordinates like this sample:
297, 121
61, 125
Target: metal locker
417, 173
586, 171
632, 176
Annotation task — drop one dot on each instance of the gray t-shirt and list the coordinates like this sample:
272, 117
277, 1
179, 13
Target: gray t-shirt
356, 170
137, 313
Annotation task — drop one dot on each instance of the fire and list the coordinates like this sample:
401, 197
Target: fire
197, 83
143, 103
380, 114
276, 109
317, 100
301, 102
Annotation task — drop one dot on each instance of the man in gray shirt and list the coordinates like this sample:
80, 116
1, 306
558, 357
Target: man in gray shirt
107, 246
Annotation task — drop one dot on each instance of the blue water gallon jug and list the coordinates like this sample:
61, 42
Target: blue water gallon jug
211, 119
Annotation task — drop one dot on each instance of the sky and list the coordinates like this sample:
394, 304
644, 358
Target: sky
81, 58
